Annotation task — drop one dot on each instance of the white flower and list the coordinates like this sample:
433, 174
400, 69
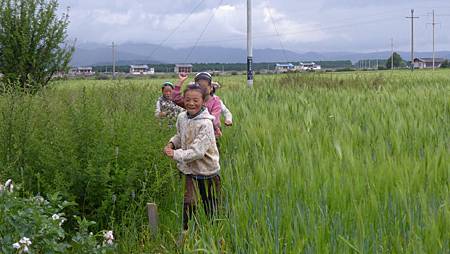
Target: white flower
25, 241
109, 237
55, 216
62, 221
9, 185
22, 245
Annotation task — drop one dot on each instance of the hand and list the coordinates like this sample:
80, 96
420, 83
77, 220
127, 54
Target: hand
162, 114
168, 151
228, 123
183, 76
170, 145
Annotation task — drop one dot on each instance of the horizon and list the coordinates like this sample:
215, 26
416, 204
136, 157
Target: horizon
91, 43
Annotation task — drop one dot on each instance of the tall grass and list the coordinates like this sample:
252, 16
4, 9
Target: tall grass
350, 169
340, 163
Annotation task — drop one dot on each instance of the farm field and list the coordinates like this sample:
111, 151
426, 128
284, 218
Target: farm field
352, 162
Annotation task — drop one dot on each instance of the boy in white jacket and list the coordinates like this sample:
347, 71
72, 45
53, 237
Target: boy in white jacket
195, 151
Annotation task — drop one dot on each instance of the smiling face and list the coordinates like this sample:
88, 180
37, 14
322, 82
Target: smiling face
167, 92
193, 101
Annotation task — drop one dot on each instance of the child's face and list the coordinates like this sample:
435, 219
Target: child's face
205, 85
193, 101
167, 92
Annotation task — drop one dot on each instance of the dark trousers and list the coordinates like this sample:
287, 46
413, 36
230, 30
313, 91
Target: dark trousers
209, 192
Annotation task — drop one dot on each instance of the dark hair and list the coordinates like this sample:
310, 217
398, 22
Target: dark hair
198, 88
203, 76
166, 84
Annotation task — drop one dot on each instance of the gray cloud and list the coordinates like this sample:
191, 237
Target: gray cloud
322, 25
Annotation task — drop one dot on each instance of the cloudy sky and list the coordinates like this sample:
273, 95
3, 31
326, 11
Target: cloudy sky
299, 25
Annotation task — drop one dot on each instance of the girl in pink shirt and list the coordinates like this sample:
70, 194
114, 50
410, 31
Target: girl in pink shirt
212, 103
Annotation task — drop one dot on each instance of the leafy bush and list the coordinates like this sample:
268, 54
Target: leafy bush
36, 225
100, 148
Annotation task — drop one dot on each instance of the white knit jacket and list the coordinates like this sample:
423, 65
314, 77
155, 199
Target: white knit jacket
196, 151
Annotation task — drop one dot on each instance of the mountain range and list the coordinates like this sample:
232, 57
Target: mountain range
91, 54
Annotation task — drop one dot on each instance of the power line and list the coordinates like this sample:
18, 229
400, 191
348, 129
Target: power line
277, 33
433, 23
201, 34
268, 35
176, 28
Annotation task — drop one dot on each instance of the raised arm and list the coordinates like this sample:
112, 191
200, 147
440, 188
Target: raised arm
177, 97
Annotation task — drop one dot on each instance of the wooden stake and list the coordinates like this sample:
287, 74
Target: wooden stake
152, 211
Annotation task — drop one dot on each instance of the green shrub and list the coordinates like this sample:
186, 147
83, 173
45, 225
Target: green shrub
100, 148
36, 225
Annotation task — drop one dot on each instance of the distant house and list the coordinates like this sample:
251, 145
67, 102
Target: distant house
141, 70
309, 66
281, 68
426, 63
183, 68
82, 71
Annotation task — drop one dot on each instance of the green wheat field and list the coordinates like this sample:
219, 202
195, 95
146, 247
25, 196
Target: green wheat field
355, 162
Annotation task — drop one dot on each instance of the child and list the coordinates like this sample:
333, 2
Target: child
226, 113
165, 107
212, 103
194, 148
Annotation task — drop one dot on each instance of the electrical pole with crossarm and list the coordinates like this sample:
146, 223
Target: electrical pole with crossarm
113, 60
434, 49
412, 37
392, 53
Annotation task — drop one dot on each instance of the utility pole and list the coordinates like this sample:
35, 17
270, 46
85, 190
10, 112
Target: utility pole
392, 53
249, 44
113, 60
412, 38
434, 49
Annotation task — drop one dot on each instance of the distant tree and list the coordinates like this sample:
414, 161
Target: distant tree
445, 64
398, 61
33, 43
